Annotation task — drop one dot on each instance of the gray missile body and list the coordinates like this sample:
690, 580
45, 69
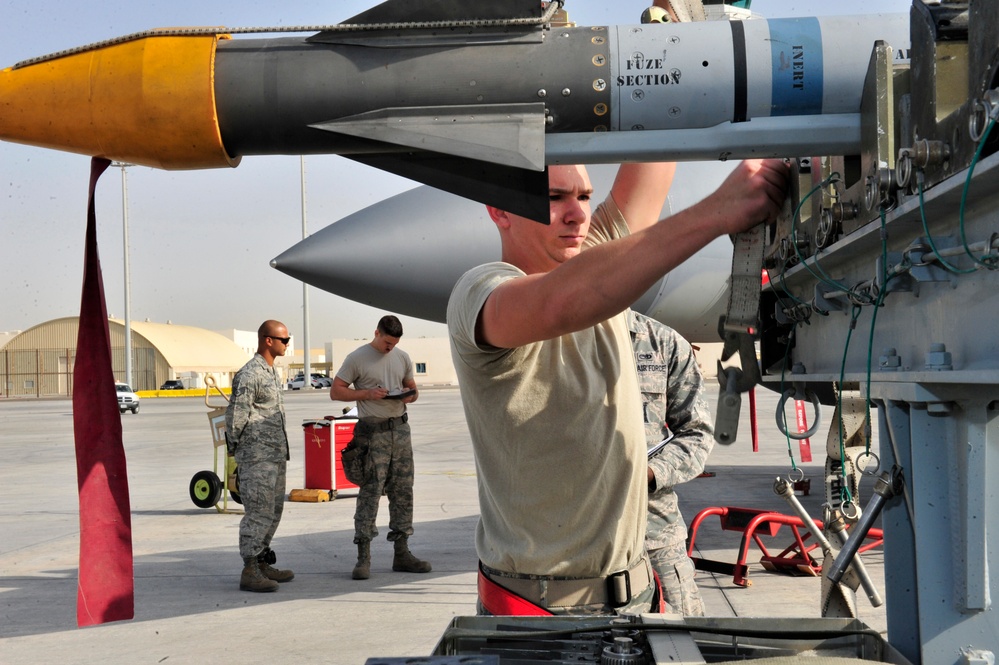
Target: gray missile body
479, 111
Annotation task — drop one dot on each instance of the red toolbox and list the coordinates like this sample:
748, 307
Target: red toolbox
321, 458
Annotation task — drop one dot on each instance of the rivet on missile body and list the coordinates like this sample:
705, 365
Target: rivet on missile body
542, 93
600, 109
566, 92
598, 40
599, 85
599, 60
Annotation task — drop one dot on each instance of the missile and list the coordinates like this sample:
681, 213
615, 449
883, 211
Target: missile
476, 104
404, 254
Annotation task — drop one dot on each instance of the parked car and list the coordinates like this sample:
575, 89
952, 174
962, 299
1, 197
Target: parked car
172, 385
299, 381
127, 399
325, 380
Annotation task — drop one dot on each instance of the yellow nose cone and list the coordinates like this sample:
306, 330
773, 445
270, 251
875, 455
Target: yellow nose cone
149, 101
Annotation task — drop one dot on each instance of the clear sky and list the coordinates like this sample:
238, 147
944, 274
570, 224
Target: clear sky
201, 241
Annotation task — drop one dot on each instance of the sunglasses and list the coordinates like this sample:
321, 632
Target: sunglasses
283, 340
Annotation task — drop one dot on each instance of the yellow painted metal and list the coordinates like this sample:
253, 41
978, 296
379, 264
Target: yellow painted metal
150, 101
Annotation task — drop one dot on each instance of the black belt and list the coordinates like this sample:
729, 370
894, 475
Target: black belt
386, 423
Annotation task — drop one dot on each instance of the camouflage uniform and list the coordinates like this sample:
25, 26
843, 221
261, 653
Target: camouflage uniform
255, 425
671, 386
388, 469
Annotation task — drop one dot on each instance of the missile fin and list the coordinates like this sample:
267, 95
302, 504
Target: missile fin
507, 134
412, 11
519, 191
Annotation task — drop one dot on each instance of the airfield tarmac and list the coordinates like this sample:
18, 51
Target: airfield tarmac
188, 607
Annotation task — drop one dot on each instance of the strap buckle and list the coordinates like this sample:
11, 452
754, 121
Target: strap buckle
734, 380
619, 588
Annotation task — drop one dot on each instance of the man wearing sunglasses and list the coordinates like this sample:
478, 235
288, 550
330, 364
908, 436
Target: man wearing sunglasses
255, 426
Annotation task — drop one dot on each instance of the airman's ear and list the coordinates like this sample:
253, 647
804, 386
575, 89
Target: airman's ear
500, 217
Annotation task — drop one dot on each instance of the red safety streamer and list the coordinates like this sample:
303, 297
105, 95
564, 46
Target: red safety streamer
804, 445
106, 588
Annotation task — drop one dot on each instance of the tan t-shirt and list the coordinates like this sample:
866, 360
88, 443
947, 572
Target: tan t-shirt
558, 437
367, 368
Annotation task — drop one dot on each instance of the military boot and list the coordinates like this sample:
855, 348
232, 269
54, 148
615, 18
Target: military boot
362, 570
264, 561
405, 562
253, 579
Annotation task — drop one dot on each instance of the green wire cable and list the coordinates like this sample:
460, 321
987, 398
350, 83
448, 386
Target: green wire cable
991, 264
825, 278
882, 292
926, 230
783, 284
845, 491
783, 373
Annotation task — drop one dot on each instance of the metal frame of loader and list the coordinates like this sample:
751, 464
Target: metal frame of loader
207, 488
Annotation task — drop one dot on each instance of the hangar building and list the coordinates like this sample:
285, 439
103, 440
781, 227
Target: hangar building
39, 361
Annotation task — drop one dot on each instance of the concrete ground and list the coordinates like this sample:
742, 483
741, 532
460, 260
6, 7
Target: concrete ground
188, 607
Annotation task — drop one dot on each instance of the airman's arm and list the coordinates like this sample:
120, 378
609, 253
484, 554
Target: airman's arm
607, 278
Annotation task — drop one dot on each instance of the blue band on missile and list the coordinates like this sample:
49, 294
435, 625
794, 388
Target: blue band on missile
796, 59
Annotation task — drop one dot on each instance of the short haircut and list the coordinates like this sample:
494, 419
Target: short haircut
266, 328
390, 325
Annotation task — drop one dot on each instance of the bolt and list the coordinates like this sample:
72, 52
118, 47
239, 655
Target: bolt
600, 109
599, 60
566, 92
674, 112
599, 85
638, 95
938, 358
889, 360
542, 93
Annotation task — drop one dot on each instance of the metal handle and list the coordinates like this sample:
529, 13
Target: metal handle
884, 489
783, 489
781, 424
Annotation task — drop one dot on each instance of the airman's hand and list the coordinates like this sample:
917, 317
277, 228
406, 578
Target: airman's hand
753, 193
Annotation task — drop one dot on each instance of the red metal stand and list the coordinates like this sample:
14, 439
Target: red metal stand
753, 524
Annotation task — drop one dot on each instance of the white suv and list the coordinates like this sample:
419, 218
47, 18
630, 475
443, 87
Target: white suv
127, 400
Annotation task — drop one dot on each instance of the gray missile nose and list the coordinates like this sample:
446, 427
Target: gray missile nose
403, 254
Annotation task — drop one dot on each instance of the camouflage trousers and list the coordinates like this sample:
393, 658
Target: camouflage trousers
388, 470
676, 575
262, 490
